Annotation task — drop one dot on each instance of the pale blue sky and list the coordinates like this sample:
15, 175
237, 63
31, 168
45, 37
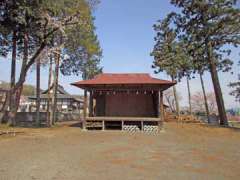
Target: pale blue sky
126, 35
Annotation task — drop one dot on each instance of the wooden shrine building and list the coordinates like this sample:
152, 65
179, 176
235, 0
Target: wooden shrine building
124, 101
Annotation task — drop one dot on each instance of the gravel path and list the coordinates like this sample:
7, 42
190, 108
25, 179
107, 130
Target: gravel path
181, 152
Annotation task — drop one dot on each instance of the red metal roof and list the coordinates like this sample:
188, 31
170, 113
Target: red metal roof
118, 79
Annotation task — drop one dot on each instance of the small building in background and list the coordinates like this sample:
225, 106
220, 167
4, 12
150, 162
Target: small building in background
65, 101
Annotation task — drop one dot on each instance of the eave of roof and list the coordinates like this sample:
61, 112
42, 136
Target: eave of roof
122, 79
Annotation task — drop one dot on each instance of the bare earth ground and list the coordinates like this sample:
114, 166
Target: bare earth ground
187, 151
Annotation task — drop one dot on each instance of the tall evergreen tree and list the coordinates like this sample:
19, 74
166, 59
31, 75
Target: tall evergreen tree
83, 51
40, 20
214, 23
169, 54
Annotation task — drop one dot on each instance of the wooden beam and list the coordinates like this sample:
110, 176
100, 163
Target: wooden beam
127, 87
117, 118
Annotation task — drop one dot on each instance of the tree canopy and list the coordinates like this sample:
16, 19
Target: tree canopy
236, 88
169, 54
35, 30
204, 28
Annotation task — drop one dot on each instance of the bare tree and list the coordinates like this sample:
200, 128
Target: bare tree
169, 98
198, 102
205, 97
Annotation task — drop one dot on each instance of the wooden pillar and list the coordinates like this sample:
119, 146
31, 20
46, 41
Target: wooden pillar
84, 110
158, 104
61, 105
142, 125
103, 125
91, 104
161, 106
122, 125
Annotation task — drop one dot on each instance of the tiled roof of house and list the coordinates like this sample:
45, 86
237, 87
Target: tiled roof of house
61, 94
119, 79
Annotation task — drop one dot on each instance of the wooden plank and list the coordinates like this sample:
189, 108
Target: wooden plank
124, 87
109, 118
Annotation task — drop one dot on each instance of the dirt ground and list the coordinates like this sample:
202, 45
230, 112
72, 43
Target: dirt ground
187, 151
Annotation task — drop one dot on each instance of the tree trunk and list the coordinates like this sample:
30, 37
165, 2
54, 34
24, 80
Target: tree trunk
216, 85
4, 109
55, 87
18, 89
189, 96
13, 65
12, 102
176, 98
22, 79
38, 72
49, 96
24, 63
205, 97
169, 103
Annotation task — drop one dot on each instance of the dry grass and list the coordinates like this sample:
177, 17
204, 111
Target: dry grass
183, 151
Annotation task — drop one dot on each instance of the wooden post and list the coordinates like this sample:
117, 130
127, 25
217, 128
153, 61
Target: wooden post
122, 125
91, 104
142, 125
158, 104
103, 125
161, 107
84, 110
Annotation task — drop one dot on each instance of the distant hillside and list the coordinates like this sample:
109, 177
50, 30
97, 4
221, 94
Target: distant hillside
28, 90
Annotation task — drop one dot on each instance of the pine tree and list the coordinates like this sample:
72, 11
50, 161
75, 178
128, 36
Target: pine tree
169, 54
214, 23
